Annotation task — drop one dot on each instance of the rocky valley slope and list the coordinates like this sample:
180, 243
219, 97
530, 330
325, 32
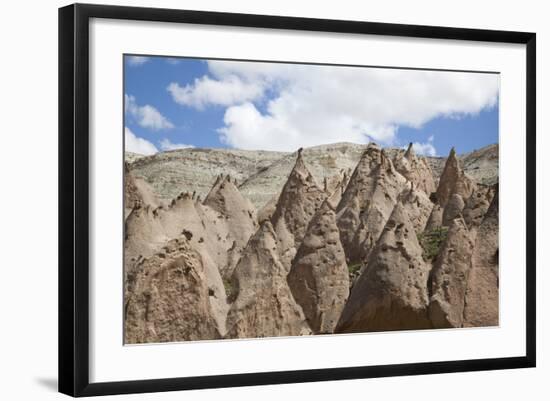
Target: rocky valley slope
338, 238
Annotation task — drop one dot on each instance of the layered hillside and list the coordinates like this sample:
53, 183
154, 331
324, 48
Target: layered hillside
260, 175
337, 238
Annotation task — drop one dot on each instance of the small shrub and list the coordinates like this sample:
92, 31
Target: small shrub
230, 290
353, 270
431, 242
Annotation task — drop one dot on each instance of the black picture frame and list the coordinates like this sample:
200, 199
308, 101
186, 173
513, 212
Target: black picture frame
74, 198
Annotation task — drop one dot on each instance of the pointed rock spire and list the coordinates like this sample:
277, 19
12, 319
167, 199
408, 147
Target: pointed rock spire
409, 153
415, 169
391, 292
264, 305
319, 278
297, 203
367, 202
453, 181
417, 205
449, 277
236, 213
481, 302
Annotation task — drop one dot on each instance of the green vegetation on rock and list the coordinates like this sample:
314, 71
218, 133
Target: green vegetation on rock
431, 242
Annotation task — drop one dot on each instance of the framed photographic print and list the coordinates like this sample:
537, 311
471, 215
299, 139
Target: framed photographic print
250, 199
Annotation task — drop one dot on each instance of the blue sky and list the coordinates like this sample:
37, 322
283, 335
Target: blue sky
174, 103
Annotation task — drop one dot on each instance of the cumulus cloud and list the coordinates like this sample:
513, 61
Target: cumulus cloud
282, 107
206, 91
146, 116
135, 144
166, 144
137, 60
426, 148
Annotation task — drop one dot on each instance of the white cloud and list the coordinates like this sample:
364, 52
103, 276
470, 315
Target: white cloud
426, 148
173, 61
136, 144
166, 144
283, 107
146, 116
137, 60
205, 91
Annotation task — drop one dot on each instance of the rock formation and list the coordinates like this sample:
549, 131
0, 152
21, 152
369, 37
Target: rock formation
391, 293
367, 203
264, 305
453, 181
299, 200
481, 302
436, 218
136, 191
168, 298
262, 174
239, 215
319, 278
379, 249
449, 277
416, 170
453, 209
417, 205
477, 205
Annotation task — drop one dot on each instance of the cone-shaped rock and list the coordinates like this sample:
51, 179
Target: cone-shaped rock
416, 169
391, 292
453, 209
319, 278
481, 305
449, 277
367, 202
264, 305
417, 206
169, 298
236, 212
453, 181
298, 202
436, 218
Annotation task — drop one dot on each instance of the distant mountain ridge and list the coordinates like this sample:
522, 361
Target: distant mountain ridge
261, 174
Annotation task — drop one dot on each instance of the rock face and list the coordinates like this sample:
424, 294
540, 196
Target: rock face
416, 170
168, 298
239, 215
450, 276
481, 303
136, 192
319, 278
391, 293
477, 205
436, 218
367, 203
417, 206
453, 181
453, 209
264, 305
298, 202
